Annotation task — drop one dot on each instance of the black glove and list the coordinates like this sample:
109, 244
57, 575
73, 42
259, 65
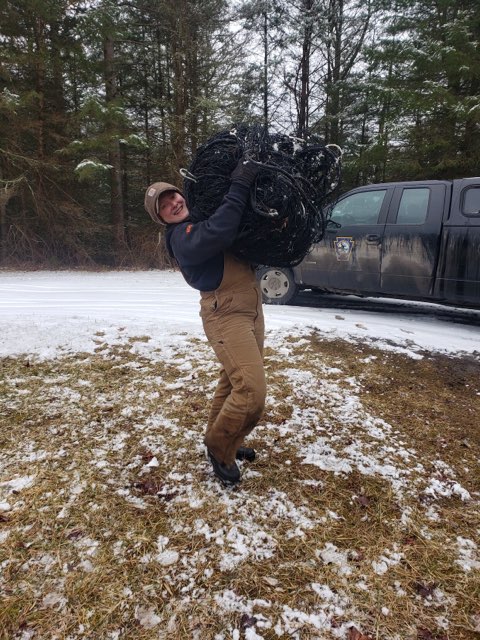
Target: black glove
245, 172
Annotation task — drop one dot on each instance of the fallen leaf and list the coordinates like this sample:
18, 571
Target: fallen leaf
168, 496
426, 634
148, 487
363, 501
424, 590
355, 634
75, 534
147, 455
247, 621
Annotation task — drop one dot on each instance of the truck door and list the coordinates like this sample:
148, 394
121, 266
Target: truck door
412, 239
458, 273
348, 257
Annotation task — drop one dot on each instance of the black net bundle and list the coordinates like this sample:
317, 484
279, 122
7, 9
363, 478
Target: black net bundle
284, 216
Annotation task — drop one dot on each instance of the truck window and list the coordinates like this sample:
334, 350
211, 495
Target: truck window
413, 206
359, 208
471, 202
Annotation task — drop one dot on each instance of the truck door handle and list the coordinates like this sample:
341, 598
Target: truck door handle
373, 237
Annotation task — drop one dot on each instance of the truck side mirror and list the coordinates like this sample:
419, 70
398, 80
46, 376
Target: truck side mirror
331, 223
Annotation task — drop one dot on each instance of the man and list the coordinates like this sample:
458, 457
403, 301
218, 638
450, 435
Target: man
231, 311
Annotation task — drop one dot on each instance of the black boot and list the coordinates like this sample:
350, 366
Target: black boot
245, 453
229, 474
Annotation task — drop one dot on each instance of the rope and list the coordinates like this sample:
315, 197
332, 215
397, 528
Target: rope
284, 216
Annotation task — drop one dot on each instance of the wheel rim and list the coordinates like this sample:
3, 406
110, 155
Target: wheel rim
274, 284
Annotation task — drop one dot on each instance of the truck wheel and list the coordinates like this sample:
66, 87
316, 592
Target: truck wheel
277, 285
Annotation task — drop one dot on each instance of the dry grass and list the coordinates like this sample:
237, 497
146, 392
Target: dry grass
357, 520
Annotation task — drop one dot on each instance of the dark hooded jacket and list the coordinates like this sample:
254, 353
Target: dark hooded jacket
198, 247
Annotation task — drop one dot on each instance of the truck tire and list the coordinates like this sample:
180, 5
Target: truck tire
277, 285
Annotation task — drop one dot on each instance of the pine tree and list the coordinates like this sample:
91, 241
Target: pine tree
36, 208
263, 40
427, 66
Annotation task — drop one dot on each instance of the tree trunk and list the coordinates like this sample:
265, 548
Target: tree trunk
114, 155
3, 221
334, 72
265, 69
39, 29
303, 101
194, 96
179, 43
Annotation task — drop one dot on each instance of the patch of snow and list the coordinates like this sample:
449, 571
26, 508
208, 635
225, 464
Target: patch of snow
446, 489
467, 551
147, 617
386, 560
17, 484
3, 536
54, 600
167, 558
153, 463
245, 542
86, 566
330, 554
70, 307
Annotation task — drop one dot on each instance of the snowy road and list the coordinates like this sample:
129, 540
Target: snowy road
43, 312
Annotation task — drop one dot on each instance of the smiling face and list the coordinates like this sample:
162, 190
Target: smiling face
171, 207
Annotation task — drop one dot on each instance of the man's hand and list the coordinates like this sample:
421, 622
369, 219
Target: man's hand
245, 172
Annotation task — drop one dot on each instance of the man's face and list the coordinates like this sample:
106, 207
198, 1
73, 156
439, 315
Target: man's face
171, 207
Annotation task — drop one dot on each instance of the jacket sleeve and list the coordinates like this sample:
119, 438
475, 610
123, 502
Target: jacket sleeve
193, 243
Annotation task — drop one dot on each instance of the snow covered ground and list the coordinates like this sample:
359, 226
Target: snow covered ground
46, 313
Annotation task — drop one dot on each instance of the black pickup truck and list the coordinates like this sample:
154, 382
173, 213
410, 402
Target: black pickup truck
415, 240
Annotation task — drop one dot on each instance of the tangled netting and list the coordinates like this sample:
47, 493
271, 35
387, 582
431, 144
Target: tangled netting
284, 217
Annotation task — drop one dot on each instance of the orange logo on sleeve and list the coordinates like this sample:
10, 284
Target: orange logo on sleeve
189, 228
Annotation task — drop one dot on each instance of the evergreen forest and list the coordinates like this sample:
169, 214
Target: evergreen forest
99, 98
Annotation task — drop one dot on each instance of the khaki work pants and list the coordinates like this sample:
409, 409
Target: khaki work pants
232, 317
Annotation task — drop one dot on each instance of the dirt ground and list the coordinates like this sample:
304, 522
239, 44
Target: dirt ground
358, 520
